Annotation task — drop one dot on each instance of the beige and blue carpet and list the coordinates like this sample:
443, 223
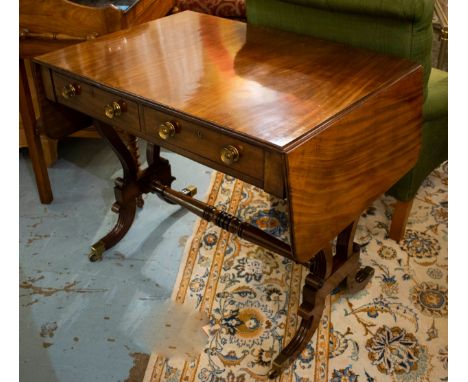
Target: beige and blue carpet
394, 330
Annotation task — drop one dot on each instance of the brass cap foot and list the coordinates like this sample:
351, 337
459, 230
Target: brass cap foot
96, 252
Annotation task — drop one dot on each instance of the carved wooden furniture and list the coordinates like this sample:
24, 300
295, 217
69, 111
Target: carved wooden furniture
52, 24
402, 29
315, 126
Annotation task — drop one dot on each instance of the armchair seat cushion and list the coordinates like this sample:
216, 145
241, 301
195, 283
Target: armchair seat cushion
436, 104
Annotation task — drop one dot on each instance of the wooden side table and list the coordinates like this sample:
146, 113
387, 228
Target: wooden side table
324, 126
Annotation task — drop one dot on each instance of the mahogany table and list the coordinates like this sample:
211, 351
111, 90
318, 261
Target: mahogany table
324, 126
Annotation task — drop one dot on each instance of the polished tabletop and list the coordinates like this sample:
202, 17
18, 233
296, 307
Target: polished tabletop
275, 87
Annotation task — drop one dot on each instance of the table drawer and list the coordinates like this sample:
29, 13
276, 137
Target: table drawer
215, 146
96, 102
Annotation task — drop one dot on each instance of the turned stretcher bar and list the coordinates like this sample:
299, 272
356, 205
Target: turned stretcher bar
224, 220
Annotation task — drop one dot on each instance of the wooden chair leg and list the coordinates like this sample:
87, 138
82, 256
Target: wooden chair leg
34, 143
399, 219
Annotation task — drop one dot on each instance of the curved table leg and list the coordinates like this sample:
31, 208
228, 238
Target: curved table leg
311, 310
128, 190
124, 222
126, 200
295, 347
326, 272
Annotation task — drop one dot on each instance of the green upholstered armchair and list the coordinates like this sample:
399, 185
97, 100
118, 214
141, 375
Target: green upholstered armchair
398, 27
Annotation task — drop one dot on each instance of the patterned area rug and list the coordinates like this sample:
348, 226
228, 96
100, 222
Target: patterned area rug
394, 330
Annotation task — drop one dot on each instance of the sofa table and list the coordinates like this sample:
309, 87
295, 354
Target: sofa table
327, 127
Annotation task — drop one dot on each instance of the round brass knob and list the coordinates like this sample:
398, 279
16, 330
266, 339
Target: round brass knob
70, 90
114, 109
166, 130
230, 154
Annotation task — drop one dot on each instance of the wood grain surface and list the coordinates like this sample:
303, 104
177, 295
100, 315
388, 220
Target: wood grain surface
272, 86
205, 142
336, 174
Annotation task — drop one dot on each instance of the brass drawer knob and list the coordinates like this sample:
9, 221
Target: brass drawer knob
166, 130
70, 90
114, 109
230, 154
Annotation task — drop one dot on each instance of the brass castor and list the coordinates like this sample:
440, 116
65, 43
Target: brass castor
96, 252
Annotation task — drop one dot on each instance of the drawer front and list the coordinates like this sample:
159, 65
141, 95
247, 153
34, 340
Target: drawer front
205, 142
93, 102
